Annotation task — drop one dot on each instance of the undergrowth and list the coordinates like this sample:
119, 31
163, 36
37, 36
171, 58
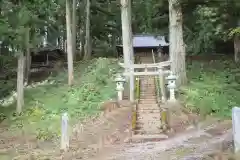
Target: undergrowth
44, 105
213, 87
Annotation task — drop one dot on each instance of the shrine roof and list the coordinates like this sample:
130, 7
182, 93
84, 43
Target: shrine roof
145, 41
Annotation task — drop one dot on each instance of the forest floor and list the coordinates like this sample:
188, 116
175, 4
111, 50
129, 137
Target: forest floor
212, 90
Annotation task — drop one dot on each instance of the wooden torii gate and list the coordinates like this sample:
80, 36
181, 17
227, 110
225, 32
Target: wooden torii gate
158, 70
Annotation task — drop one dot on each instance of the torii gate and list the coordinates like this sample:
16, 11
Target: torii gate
127, 41
158, 71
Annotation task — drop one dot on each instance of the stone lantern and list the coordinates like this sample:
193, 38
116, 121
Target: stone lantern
120, 80
172, 86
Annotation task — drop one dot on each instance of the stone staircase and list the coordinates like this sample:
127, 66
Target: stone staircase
148, 113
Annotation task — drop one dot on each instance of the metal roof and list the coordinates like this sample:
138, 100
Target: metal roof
148, 41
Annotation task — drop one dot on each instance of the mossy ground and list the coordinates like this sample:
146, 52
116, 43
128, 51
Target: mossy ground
45, 104
214, 87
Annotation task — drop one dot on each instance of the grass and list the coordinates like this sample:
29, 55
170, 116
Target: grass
213, 88
44, 105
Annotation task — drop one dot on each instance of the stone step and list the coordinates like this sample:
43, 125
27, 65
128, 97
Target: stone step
148, 112
147, 98
148, 106
148, 138
148, 117
149, 125
148, 109
147, 89
145, 122
147, 94
147, 86
164, 136
148, 132
153, 98
151, 117
153, 92
146, 101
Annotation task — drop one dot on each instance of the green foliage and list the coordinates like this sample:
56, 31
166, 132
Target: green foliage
150, 16
45, 104
202, 34
213, 87
234, 32
104, 49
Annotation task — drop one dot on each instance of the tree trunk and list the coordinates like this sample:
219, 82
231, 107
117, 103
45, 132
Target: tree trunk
127, 40
28, 55
20, 83
69, 44
177, 46
87, 47
74, 23
61, 39
82, 43
236, 48
130, 31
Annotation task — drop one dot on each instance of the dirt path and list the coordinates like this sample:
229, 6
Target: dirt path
96, 135
189, 145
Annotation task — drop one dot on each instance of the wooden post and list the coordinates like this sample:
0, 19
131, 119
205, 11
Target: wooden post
64, 134
162, 84
132, 86
235, 126
20, 83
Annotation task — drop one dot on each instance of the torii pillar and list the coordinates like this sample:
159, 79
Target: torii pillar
127, 41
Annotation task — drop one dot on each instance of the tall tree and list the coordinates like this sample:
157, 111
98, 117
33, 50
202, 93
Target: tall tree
28, 55
69, 44
177, 46
127, 40
88, 46
235, 34
74, 27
